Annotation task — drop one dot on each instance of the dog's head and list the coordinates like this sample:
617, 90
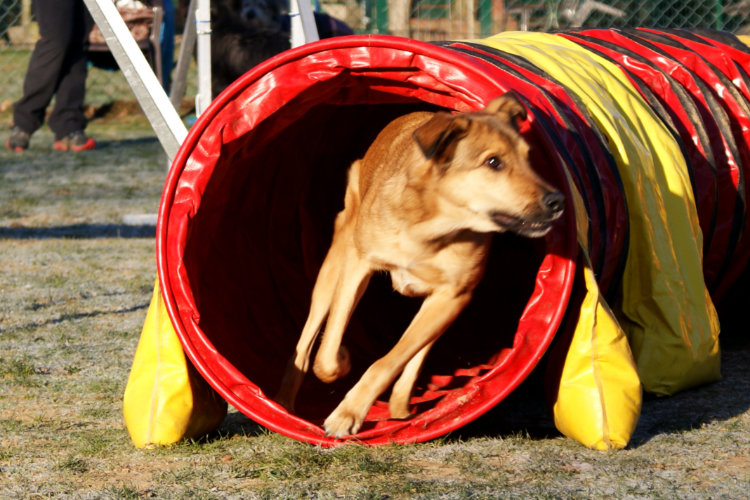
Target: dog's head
480, 163
248, 13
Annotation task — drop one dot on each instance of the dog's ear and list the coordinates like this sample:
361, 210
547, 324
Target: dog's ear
509, 108
438, 137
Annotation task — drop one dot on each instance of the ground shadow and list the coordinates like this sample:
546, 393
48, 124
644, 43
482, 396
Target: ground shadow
74, 316
79, 231
524, 412
125, 143
237, 424
702, 405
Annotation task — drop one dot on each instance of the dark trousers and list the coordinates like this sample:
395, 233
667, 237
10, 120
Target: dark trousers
57, 68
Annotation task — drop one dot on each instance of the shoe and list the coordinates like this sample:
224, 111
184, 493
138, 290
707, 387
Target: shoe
76, 141
18, 140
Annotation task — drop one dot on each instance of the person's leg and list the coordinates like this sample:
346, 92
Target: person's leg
43, 74
167, 43
67, 116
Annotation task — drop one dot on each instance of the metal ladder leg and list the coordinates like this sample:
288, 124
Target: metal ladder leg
303, 28
148, 91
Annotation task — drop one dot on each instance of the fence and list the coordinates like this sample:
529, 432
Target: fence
454, 19
419, 19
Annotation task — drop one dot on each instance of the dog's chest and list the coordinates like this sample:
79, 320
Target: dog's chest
421, 278
417, 272
408, 284
411, 273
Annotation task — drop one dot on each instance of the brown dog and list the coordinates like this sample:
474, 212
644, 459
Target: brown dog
422, 204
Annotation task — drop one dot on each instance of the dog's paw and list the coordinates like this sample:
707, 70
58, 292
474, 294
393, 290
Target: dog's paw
342, 422
330, 372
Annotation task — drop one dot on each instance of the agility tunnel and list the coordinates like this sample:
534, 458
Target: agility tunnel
645, 132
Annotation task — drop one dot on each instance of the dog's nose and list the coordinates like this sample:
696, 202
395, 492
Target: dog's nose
554, 201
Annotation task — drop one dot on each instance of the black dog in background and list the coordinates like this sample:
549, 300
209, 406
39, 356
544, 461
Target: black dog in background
245, 33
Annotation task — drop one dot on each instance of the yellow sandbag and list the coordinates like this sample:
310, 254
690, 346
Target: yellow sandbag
165, 399
666, 310
599, 396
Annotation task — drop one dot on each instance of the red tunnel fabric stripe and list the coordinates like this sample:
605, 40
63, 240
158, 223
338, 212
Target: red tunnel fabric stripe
730, 178
723, 110
718, 70
685, 120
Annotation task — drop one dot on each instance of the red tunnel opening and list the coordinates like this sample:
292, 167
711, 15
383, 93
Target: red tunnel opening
247, 216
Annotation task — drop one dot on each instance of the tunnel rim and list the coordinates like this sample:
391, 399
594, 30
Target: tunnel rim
269, 414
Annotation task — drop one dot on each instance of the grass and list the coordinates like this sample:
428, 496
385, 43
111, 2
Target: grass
75, 284
102, 86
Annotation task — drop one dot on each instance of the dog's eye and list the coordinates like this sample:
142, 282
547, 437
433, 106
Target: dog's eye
494, 163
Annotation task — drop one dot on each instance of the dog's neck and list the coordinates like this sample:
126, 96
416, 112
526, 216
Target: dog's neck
431, 215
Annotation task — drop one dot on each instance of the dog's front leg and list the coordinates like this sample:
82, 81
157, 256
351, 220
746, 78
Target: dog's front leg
398, 404
437, 312
320, 306
332, 361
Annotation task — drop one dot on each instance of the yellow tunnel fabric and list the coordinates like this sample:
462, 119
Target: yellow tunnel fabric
665, 307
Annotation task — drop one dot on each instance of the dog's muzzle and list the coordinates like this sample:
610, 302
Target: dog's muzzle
554, 202
533, 227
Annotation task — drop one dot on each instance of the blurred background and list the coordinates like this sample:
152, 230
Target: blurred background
427, 20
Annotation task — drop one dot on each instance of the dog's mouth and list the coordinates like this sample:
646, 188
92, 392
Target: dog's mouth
525, 227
